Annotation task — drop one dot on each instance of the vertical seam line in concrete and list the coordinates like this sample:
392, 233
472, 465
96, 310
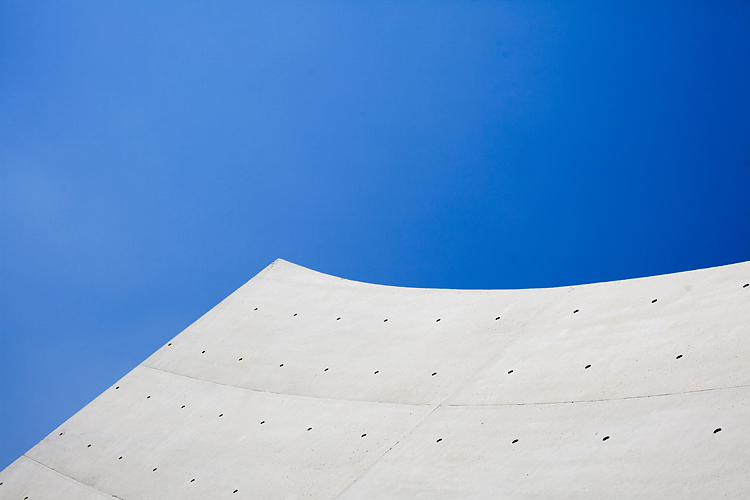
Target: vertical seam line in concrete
460, 387
409, 433
68, 477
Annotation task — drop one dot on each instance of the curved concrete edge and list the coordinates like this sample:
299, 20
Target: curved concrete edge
303, 384
628, 333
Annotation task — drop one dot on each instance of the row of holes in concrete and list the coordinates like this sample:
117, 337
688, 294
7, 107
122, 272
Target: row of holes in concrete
679, 356
326, 369
497, 318
220, 415
384, 321
438, 320
718, 429
605, 438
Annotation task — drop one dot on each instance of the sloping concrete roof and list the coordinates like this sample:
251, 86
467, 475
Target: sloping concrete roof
303, 385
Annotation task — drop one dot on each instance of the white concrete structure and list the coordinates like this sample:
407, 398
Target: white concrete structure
303, 385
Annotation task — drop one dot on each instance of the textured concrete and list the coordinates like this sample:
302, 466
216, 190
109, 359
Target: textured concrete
303, 385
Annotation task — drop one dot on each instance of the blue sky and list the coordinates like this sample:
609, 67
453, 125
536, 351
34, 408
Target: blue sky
154, 156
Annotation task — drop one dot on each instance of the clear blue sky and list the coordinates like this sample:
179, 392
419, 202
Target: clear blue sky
154, 156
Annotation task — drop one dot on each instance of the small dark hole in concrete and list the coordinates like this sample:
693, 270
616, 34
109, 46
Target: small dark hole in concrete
587, 367
170, 343
386, 319
183, 406
376, 372
309, 428
745, 285
203, 352
192, 480
255, 309
295, 314
717, 430
437, 320
678, 356
575, 311
497, 318
510, 372
154, 469
338, 319
262, 422
434, 374
117, 387
235, 491
363, 435
119, 458
439, 440
221, 414
282, 364
605, 438
61, 433
325, 370
89, 446
148, 397
653, 301
240, 359
514, 441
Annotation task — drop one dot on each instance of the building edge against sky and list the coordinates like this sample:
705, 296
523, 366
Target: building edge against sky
304, 384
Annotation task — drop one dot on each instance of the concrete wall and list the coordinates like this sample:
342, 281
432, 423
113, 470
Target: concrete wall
303, 385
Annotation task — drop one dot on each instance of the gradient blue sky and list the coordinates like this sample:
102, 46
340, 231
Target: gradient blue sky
154, 156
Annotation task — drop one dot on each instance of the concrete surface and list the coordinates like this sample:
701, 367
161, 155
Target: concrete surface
303, 385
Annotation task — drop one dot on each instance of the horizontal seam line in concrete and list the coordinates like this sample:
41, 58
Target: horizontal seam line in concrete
286, 394
68, 477
603, 400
